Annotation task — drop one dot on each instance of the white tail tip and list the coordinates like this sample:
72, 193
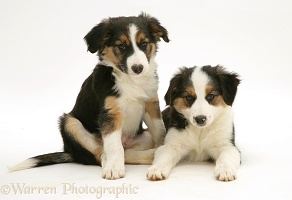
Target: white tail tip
29, 163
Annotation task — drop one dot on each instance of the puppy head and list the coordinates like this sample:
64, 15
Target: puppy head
201, 94
127, 43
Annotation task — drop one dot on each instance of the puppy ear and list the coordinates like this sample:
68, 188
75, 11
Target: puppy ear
155, 28
228, 83
97, 37
175, 84
172, 89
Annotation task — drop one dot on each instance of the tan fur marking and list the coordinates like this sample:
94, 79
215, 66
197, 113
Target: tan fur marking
109, 55
179, 104
219, 101
191, 91
142, 152
133, 156
152, 48
124, 39
115, 115
75, 128
152, 108
208, 89
140, 37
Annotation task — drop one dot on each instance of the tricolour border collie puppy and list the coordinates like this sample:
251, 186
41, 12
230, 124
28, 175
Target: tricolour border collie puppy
105, 126
199, 122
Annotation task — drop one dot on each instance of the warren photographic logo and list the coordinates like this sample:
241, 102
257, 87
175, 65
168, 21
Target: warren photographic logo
68, 189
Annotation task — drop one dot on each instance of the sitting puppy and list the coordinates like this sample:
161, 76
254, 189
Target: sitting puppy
114, 100
199, 122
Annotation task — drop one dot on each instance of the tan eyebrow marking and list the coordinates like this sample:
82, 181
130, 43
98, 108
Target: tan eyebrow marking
123, 40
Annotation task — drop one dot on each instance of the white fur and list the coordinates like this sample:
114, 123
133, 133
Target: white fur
133, 112
138, 87
138, 57
201, 106
29, 163
156, 128
134, 93
113, 157
135, 90
199, 143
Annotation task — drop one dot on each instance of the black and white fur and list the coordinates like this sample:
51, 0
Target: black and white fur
199, 122
105, 126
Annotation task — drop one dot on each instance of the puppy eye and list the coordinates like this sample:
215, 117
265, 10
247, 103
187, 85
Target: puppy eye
189, 98
122, 46
143, 44
210, 97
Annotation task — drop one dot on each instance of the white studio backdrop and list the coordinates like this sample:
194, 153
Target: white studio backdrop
44, 60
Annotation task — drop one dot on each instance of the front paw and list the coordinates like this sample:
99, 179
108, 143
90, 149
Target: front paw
225, 173
156, 173
113, 172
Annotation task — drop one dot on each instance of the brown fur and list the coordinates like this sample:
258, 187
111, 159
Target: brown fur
115, 115
152, 108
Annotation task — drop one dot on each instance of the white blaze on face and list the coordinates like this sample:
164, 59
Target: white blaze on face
201, 107
138, 57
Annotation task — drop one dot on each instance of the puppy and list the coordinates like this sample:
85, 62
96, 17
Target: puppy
199, 122
114, 100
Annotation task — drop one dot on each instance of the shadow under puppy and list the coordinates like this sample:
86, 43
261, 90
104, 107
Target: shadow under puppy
199, 122
105, 126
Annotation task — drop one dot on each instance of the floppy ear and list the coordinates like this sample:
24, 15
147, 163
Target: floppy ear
97, 37
228, 83
155, 28
173, 89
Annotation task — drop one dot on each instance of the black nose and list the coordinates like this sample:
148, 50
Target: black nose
200, 119
137, 68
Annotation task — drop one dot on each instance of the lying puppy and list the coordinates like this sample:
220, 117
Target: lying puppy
114, 100
199, 122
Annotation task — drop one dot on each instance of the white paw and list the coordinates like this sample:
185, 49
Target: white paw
156, 173
225, 173
114, 171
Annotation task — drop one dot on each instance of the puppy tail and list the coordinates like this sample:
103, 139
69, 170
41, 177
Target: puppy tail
43, 160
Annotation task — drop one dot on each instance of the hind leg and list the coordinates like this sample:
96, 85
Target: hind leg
141, 150
81, 144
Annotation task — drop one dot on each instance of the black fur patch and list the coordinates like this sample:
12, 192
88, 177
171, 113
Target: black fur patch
53, 158
78, 153
89, 108
227, 82
178, 84
110, 30
173, 119
90, 99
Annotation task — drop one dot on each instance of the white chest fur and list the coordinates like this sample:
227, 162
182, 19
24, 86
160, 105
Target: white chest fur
134, 93
133, 114
203, 142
